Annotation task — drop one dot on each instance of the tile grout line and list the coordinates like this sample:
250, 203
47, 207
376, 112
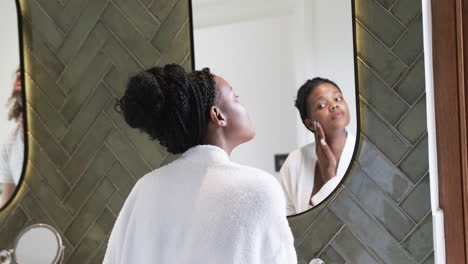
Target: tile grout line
376, 38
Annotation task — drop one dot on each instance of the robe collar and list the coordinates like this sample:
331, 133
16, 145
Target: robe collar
207, 153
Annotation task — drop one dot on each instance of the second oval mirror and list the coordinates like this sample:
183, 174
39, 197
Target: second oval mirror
11, 104
294, 71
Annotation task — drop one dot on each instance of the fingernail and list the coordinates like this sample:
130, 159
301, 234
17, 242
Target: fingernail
322, 141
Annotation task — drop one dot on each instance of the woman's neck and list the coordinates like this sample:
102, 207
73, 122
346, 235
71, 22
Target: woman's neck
337, 141
219, 142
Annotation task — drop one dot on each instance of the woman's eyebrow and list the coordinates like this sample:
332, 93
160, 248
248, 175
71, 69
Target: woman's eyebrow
318, 98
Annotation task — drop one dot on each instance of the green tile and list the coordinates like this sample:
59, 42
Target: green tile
162, 8
382, 135
318, 235
429, 260
378, 57
418, 203
387, 3
407, 10
410, 45
187, 64
83, 89
53, 9
86, 151
170, 26
126, 153
64, 14
14, 224
99, 256
146, 3
32, 207
116, 82
379, 21
77, 68
372, 198
300, 223
84, 119
416, 164
79, 31
132, 39
47, 141
180, 47
45, 82
44, 56
46, 112
348, 246
100, 166
420, 242
367, 230
92, 209
121, 178
93, 239
379, 96
389, 178
154, 154
52, 205
412, 84
123, 66
140, 17
116, 203
121, 59
46, 168
42, 23
413, 125
329, 255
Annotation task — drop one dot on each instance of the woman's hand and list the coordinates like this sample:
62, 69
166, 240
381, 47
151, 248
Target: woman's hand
326, 160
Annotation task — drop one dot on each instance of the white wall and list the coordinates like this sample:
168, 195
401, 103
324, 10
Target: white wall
255, 57
267, 54
9, 52
328, 33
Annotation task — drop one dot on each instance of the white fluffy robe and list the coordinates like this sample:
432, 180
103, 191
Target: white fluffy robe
298, 173
203, 208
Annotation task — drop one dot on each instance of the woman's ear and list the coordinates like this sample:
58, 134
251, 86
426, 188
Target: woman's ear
217, 116
309, 124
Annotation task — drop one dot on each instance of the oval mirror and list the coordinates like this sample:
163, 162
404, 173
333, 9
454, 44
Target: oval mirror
38, 244
11, 104
272, 53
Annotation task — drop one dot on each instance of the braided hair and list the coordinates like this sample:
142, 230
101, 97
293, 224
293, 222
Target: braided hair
170, 105
304, 92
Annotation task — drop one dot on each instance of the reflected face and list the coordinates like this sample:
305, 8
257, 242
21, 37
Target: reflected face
239, 128
326, 105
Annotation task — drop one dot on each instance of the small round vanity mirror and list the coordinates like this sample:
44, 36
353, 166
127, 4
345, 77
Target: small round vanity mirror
38, 244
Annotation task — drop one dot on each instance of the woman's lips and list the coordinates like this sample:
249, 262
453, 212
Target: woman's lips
338, 114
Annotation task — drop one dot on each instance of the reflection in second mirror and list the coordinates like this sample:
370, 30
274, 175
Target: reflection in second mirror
267, 50
11, 104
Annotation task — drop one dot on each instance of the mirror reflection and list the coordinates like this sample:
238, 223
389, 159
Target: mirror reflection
294, 72
11, 105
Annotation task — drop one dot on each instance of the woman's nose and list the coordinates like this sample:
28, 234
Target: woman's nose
334, 106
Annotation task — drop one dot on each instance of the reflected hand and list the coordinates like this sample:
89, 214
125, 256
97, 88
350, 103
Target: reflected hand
326, 160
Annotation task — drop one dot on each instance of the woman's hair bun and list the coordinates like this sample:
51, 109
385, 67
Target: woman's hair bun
161, 102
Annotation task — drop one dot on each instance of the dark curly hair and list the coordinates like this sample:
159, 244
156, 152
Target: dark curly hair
170, 105
304, 92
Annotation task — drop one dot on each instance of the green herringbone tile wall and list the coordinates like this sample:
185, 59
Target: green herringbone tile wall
382, 214
83, 159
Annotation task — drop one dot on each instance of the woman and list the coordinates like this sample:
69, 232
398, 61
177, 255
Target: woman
12, 148
312, 172
201, 208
